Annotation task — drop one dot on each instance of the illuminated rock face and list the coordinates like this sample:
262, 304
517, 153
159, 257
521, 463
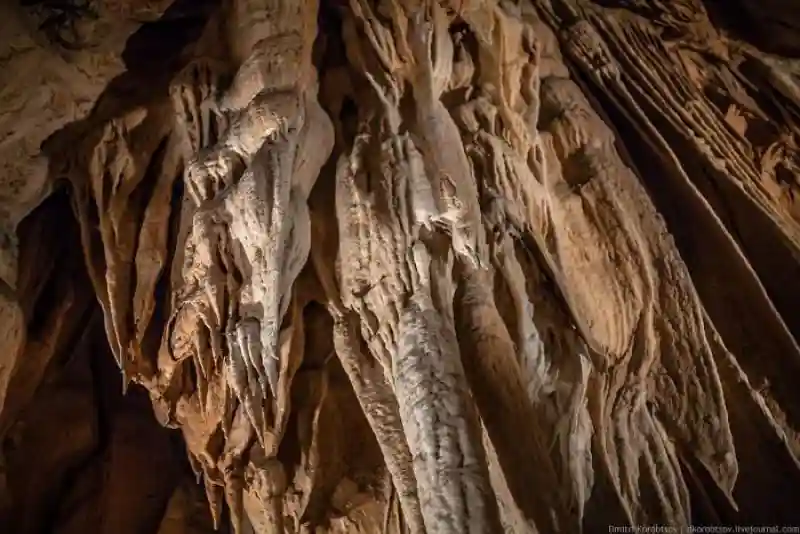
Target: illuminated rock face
398, 266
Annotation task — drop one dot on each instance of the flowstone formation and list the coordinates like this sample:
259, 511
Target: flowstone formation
401, 266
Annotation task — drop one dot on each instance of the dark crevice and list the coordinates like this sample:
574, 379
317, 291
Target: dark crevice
138, 203
771, 25
51, 295
754, 77
709, 505
161, 296
41, 255
85, 350
82, 368
158, 45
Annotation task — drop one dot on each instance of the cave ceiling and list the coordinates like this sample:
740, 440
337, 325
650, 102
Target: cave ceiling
399, 266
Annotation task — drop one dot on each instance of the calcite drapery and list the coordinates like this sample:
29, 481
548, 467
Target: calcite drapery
425, 266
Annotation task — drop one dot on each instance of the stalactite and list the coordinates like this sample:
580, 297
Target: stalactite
421, 266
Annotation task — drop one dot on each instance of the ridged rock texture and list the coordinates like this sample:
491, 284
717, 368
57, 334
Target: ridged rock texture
399, 266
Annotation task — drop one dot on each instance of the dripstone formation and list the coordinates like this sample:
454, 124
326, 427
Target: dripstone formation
398, 266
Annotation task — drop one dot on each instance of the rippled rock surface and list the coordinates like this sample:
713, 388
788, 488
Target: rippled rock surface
401, 266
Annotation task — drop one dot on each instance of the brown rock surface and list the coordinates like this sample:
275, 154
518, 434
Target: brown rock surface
398, 265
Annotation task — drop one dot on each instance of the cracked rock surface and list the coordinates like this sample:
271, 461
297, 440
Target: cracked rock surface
400, 266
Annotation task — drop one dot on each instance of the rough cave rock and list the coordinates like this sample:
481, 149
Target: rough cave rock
400, 266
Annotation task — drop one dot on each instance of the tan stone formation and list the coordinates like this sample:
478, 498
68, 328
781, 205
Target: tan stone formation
400, 266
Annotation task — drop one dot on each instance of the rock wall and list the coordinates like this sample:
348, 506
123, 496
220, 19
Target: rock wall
398, 265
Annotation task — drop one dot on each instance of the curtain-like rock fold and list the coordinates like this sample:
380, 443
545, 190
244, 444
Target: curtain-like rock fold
416, 266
